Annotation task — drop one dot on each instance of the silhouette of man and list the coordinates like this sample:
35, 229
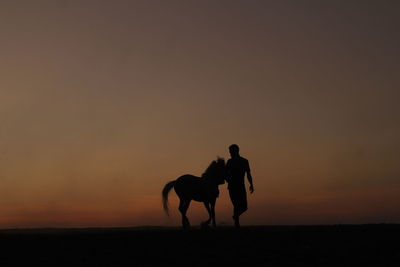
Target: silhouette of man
237, 167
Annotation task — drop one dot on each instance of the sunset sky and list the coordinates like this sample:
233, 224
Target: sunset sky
103, 102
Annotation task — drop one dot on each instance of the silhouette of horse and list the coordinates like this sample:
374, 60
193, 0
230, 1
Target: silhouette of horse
203, 189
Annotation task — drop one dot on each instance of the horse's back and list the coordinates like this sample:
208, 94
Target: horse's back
187, 177
191, 187
186, 182
187, 186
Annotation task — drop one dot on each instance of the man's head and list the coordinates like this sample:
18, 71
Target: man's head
234, 150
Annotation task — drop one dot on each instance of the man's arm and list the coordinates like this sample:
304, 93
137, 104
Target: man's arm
249, 178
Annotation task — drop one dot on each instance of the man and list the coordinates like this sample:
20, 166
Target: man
237, 167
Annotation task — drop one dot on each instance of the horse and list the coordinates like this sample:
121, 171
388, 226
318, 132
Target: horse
202, 189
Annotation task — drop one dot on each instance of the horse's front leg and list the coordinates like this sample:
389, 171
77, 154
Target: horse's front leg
212, 212
207, 205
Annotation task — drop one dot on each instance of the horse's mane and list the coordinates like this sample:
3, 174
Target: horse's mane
214, 165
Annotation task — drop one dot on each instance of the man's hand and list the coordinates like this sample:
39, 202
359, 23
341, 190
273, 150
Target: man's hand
251, 188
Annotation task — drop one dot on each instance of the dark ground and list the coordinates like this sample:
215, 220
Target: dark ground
352, 245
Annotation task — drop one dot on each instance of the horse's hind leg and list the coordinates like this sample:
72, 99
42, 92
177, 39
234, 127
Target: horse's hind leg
207, 205
212, 204
183, 207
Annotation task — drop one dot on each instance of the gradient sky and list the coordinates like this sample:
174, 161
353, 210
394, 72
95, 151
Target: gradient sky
103, 102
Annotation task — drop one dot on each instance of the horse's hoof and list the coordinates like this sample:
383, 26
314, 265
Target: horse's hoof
205, 225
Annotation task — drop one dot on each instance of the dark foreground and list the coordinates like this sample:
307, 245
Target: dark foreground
362, 245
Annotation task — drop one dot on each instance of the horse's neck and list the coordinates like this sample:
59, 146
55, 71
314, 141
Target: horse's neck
209, 180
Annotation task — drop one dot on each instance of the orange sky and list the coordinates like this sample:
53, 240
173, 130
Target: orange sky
103, 102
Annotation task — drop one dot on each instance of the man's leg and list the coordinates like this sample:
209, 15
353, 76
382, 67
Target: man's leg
234, 195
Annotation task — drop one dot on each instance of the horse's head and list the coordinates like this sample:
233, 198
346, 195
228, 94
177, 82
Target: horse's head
217, 171
221, 171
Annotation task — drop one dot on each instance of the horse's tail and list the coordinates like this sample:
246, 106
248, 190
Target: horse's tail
165, 193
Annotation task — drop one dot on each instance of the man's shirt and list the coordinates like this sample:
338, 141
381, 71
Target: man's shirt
237, 168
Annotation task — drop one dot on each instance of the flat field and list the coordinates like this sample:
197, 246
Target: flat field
339, 245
